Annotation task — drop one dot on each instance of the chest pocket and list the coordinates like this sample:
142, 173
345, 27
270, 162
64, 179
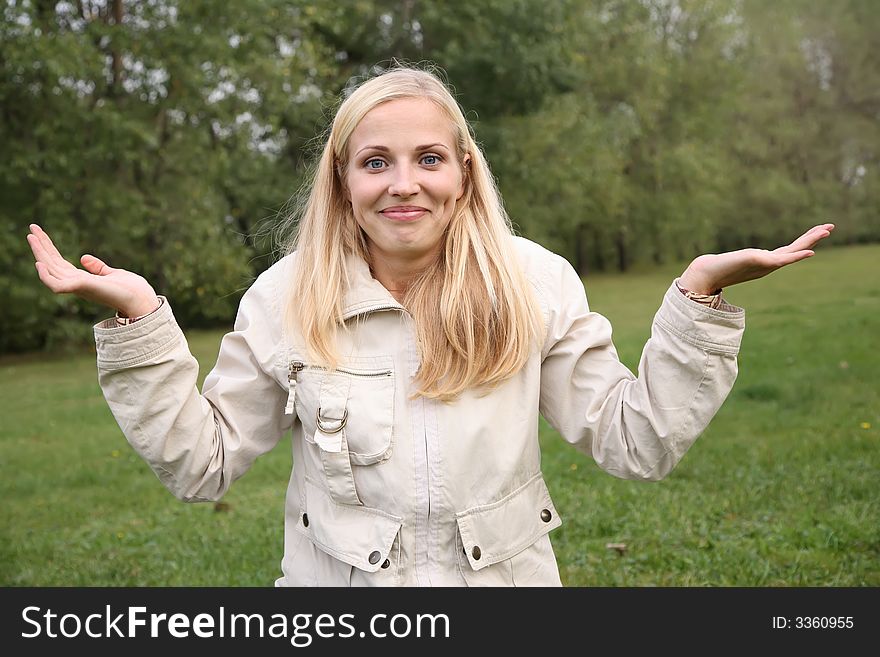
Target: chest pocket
348, 415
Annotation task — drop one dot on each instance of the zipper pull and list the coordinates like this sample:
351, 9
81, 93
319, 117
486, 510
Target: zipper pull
295, 368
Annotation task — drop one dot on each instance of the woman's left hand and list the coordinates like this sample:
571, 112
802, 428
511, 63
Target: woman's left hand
716, 271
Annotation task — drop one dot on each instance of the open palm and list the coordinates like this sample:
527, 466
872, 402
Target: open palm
127, 292
714, 271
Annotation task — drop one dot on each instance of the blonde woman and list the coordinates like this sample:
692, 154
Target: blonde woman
410, 342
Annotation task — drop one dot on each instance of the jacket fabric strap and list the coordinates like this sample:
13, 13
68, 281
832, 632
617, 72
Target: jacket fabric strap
340, 479
330, 437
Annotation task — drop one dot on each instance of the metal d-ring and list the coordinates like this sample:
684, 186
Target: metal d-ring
335, 430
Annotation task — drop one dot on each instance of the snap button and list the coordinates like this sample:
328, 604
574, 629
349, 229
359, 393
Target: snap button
475, 553
375, 556
386, 563
305, 520
546, 515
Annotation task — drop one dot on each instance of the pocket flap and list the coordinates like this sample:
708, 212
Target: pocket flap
495, 532
360, 536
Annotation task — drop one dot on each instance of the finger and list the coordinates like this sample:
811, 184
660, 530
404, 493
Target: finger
814, 238
49, 247
32, 242
46, 260
37, 247
49, 254
95, 265
790, 258
808, 239
46, 278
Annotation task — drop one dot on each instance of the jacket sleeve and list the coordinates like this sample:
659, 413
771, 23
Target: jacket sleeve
197, 444
635, 428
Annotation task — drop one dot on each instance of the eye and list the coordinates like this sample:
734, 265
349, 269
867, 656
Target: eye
375, 164
431, 160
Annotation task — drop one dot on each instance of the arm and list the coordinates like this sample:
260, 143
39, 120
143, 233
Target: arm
641, 427
197, 444
633, 427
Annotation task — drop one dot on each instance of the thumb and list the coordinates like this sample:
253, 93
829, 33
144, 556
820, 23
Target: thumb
95, 265
791, 258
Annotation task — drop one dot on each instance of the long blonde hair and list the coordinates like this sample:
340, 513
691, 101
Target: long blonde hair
489, 319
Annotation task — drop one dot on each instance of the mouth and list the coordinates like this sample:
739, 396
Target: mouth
404, 212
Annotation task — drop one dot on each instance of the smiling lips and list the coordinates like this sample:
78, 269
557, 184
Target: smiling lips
404, 212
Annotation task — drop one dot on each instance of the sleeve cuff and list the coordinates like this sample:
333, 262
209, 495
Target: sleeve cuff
125, 321
154, 335
715, 329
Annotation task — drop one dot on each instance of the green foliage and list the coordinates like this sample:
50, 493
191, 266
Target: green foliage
166, 136
155, 138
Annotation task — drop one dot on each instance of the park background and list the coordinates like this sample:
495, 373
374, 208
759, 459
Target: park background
167, 137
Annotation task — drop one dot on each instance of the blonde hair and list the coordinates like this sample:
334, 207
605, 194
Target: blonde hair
489, 319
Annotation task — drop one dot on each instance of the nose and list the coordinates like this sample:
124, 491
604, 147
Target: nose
404, 182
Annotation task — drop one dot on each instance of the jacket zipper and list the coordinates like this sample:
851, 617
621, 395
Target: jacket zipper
368, 375
298, 366
295, 368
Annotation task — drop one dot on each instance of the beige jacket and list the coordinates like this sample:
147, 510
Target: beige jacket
389, 490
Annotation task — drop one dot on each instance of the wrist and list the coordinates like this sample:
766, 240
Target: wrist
140, 308
125, 317
693, 282
712, 300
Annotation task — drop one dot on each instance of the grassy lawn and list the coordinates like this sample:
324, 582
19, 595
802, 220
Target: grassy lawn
783, 489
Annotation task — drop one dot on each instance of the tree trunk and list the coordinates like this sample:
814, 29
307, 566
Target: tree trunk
622, 251
582, 250
116, 56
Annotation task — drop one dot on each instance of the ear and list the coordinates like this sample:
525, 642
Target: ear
465, 172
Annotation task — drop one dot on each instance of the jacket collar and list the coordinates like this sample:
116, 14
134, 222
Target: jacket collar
364, 294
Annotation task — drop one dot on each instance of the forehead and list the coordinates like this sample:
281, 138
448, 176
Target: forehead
403, 122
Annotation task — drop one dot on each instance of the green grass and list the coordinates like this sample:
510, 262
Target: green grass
783, 489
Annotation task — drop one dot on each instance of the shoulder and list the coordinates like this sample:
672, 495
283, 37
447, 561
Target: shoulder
531, 254
540, 265
272, 281
281, 268
536, 258
553, 279
263, 297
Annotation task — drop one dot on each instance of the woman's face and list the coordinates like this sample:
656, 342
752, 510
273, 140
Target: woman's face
403, 178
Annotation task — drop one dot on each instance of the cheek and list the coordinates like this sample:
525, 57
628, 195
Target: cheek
359, 190
354, 191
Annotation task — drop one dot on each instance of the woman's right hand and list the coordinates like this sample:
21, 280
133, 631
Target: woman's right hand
128, 293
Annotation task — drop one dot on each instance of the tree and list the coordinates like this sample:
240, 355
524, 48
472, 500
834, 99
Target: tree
153, 134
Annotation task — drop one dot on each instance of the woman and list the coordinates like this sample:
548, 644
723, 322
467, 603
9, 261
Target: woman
410, 343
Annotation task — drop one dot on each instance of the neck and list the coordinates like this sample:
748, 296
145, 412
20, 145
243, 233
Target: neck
397, 273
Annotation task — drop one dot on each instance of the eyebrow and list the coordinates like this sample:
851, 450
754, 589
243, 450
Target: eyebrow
385, 149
